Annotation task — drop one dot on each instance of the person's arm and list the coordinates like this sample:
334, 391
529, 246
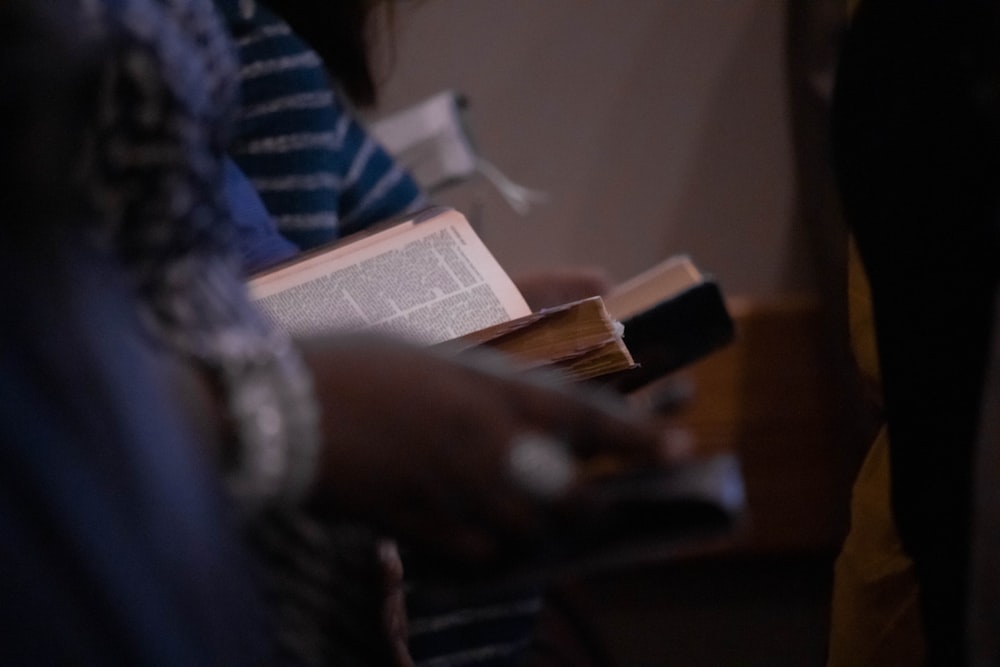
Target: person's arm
420, 444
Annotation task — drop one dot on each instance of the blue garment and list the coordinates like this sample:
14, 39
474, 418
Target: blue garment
155, 182
116, 545
318, 171
117, 542
258, 239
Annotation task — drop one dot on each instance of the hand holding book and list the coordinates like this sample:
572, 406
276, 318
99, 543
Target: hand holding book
434, 471
465, 389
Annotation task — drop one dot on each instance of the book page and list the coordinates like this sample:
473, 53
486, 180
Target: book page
286, 273
432, 281
668, 278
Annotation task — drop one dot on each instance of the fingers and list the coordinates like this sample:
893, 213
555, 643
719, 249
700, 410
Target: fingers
394, 618
595, 423
434, 450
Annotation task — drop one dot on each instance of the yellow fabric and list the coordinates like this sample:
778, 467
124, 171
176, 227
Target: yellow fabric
875, 619
861, 321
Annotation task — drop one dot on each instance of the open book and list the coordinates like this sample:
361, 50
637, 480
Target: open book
431, 280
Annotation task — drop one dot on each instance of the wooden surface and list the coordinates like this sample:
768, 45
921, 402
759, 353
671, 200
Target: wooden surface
775, 398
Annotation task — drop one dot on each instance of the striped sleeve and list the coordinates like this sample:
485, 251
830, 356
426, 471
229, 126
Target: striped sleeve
317, 169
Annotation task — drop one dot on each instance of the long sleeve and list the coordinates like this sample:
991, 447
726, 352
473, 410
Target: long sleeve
318, 170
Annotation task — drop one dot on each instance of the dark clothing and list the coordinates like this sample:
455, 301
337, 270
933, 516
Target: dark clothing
917, 148
117, 544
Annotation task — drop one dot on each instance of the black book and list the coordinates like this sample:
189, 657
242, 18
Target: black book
673, 314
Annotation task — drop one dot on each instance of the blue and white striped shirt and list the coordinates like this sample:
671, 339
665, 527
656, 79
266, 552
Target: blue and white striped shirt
319, 172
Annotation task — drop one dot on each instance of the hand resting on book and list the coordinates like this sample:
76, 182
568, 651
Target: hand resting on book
420, 443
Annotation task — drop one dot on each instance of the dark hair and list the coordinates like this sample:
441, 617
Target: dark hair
341, 33
49, 78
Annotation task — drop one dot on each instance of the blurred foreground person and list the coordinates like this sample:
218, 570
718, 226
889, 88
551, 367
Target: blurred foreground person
116, 541
222, 427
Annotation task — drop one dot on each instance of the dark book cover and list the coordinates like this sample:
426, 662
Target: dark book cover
621, 520
674, 333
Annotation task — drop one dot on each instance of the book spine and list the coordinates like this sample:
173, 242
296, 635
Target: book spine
675, 333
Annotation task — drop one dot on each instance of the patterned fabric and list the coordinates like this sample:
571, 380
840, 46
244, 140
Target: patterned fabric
118, 546
320, 174
155, 181
494, 631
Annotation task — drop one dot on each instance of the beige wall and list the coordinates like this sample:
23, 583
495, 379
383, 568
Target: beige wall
656, 126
